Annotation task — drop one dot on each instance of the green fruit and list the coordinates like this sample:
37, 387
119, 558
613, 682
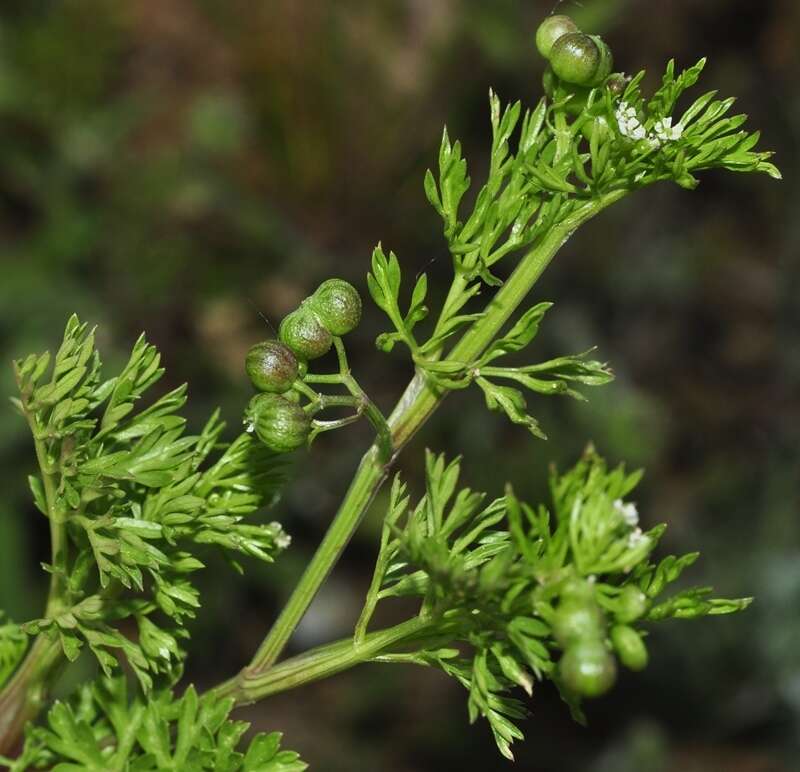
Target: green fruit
303, 332
338, 306
584, 60
629, 647
280, 424
631, 603
271, 366
550, 30
587, 668
577, 620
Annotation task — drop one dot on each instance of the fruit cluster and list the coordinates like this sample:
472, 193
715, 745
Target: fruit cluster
575, 57
581, 627
275, 366
577, 63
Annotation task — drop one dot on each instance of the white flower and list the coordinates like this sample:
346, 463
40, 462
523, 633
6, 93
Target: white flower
628, 512
282, 539
628, 122
637, 132
666, 132
637, 538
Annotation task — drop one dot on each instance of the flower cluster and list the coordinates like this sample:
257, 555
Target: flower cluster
628, 122
631, 127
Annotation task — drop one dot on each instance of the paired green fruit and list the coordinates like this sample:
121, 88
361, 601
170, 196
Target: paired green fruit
333, 310
550, 30
584, 60
271, 366
281, 425
338, 306
305, 334
575, 57
588, 668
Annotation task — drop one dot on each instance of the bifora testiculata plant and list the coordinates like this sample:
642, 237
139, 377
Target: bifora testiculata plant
509, 594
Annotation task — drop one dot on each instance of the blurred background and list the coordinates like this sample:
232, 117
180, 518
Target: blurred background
177, 166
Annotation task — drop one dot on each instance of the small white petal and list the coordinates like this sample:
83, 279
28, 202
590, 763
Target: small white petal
628, 512
637, 538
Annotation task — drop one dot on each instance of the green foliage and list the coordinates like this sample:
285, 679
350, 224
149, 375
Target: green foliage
104, 730
493, 577
509, 594
566, 163
133, 500
13, 643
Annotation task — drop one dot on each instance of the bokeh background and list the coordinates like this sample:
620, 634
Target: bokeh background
177, 166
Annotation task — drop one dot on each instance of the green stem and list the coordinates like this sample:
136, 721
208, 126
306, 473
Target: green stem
253, 684
325, 401
457, 288
26, 692
368, 478
563, 135
418, 402
58, 530
373, 593
328, 378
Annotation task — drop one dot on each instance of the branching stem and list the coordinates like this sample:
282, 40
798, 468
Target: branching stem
419, 401
254, 684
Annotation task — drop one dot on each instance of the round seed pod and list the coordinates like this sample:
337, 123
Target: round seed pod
584, 60
303, 332
271, 366
281, 425
550, 30
338, 306
587, 668
629, 646
632, 603
577, 620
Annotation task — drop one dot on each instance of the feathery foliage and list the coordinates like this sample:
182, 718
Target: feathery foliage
137, 499
492, 577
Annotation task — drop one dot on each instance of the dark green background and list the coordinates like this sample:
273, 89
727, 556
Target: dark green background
173, 166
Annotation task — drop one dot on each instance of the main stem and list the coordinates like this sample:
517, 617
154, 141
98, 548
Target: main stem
26, 692
418, 402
